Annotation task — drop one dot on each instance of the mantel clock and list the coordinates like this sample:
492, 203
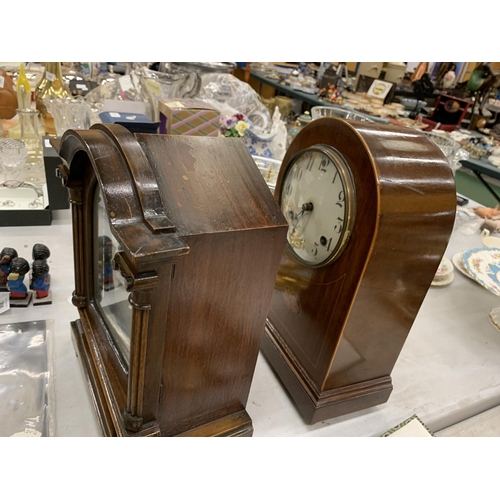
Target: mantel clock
177, 242
370, 210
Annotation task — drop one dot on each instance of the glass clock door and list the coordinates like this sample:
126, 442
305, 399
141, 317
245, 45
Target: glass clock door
110, 295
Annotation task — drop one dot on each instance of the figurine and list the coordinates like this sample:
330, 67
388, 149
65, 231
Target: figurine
39, 252
492, 225
487, 213
449, 79
41, 283
332, 94
19, 295
6, 257
300, 123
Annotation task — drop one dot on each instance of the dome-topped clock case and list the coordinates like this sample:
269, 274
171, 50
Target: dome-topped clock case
177, 242
370, 209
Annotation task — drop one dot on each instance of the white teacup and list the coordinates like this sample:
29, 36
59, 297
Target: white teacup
489, 241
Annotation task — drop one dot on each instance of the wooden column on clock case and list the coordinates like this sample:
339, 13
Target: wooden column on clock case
200, 240
334, 333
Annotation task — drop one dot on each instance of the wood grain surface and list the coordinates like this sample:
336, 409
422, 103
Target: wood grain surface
200, 239
339, 329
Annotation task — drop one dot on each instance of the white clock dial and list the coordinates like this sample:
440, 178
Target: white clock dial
318, 201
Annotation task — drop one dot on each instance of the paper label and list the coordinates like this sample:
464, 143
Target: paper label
133, 117
379, 88
50, 76
153, 87
81, 86
4, 302
125, 82
2, 81
47, 143
175, 105
115, 115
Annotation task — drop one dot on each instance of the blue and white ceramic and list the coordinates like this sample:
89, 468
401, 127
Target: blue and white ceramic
259, 144
483, 264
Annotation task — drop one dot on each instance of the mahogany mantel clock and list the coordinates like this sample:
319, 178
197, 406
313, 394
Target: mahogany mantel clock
177, 241
370, 210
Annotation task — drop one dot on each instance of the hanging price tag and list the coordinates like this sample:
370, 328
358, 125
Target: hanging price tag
125, 83
50, 76
2, 81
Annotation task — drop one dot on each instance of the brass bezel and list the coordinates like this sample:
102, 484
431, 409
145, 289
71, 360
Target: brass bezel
347, 180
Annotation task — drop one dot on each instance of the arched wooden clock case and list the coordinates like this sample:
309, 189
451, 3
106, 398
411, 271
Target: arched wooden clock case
335, 330
177, 242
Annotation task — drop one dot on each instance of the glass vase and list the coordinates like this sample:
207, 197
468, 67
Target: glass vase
23, 90
35, 170
52, 86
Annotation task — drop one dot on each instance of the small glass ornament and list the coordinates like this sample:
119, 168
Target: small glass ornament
51, 86
13, 157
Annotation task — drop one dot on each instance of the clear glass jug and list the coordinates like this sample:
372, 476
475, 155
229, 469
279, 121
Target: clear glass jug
174, 83
69, 114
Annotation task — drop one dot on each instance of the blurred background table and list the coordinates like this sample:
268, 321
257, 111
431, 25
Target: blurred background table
480, 168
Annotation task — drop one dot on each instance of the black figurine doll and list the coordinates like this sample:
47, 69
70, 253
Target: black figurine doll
39, 252
41, 282
6, 257
19, 295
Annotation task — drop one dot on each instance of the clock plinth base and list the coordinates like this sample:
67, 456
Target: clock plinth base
328, 404
236, 425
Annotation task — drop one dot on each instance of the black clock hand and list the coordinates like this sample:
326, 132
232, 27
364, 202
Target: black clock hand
306, 207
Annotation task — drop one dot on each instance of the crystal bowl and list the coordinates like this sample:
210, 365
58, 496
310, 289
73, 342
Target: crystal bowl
329, 111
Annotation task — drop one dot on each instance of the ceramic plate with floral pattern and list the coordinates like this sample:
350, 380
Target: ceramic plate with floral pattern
483, 264
458, 262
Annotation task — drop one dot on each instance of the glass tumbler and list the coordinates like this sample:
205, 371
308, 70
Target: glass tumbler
13, 156
69, 114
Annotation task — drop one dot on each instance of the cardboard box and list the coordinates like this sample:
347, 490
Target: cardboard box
188, 117
136, 123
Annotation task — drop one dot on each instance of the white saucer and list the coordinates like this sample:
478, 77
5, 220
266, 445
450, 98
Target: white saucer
446, 281
458, 262
444, 274
494, 316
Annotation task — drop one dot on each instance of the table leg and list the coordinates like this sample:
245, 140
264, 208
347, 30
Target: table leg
487, 186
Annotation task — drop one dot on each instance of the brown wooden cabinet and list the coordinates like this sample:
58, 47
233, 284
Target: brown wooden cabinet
177, 242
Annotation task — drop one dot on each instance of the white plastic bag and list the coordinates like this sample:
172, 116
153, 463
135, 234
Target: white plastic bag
229, 90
